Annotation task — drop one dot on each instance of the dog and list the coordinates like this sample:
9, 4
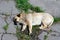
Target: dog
30, 19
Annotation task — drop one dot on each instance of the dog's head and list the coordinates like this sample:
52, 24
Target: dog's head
16, 19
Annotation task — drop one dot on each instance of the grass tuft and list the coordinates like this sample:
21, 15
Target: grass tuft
56, 19
5, 27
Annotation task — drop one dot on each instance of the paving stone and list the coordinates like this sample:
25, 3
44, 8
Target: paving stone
56, 27
0, 36
2, 23
12, 28
8, 7
41, 36
9, 37
54, 36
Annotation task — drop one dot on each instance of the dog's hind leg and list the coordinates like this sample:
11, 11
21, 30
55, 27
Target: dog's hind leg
43, 25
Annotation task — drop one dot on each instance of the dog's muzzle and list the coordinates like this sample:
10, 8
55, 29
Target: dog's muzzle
15, 22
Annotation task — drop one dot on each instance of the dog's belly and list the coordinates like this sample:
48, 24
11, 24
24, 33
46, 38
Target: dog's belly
36, 20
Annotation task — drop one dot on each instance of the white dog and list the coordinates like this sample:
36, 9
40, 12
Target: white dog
34, 19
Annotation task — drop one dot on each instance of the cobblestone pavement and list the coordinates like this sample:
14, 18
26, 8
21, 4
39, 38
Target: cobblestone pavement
51, 6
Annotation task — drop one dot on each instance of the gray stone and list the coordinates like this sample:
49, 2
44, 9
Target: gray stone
12, 28
2, 23
56, 27
41, 36
0, 36
9, 37
8, 7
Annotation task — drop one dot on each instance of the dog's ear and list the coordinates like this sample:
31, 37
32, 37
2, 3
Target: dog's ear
18, 15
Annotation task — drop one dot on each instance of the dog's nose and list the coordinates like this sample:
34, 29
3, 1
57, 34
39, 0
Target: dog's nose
15, 22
